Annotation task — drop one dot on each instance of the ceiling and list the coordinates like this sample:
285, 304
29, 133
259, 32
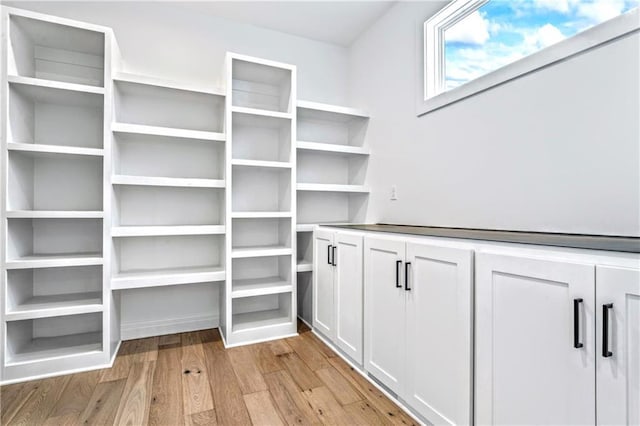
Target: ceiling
338, 22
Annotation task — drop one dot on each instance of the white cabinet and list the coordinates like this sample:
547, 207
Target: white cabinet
337, 290
418, 325
618, 345
534, 341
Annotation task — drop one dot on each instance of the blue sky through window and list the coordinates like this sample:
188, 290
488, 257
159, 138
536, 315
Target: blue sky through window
503, 31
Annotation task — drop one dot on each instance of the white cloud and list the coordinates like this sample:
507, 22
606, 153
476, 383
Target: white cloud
473, 29
544, 36
598, 11
561, 6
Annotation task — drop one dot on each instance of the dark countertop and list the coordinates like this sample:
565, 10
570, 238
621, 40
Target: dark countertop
592, 242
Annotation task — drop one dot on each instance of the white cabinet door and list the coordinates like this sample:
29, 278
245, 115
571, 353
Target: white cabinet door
348, 294
618, 352
323, 296
438, 383
384, 310
531, 366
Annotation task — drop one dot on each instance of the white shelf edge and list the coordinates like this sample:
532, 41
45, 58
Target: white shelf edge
305, 227
54, 149
53, 84
259, 251
162, 278
54, 214
54, 261
330, 147
168, 84
260, 320
260, 215
19, 315
258, 287
304, 266
260, 163
167, 181
336, 109
262, 112
141, 129
145, 231
323, 187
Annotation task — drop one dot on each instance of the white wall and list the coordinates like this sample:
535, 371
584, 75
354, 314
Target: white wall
557, 150
164, 40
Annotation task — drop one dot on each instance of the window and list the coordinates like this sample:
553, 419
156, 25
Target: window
471, 45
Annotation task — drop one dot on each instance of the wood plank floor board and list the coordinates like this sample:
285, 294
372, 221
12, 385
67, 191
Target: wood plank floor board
74, 399
166, 398
136, 397
327, 408
103, 403
196, 391
291, 404
227, 396
262, 410
294, 381
247, 371
306, 350
40, 402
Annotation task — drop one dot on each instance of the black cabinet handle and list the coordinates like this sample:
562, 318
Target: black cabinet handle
398, 263
406, 276
576, 323
329, 254
606, 353
333, 250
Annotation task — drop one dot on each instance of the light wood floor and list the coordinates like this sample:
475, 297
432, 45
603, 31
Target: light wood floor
191, 379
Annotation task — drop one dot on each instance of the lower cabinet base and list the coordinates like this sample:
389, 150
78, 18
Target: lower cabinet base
360, 369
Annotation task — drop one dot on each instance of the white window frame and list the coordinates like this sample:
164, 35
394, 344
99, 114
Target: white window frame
431, 68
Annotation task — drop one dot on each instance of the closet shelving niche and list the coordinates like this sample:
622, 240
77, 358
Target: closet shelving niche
259, 295
55, 103
168, 219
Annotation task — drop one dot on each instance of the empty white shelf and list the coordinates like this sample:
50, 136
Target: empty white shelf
45, 348
260, 251
55, 260
304, 266
54, 149
331, 187
158, 82
144, 231
56, 305
305, 227
332, 147
260, 286
166, 131
164, 277
55, 214
253, 320
260, 163
54, 84
262, 112
259, 215
167, 181
333, 109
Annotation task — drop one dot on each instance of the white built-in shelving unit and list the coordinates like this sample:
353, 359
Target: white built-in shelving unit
56, 83
260, 292
116, 183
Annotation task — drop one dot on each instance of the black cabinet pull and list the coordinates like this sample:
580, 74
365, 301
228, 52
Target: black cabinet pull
333, 250
576, 323
329, 254
398, 263
406, 276
606, 353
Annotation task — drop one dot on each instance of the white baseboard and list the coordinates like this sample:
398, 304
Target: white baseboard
141, 329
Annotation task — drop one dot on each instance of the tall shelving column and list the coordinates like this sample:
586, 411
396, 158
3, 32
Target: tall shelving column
259, 300
168, 216
56, 81
332, 159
